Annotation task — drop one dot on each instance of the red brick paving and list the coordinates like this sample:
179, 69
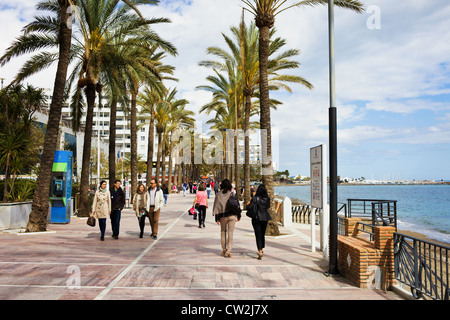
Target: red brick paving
183, 264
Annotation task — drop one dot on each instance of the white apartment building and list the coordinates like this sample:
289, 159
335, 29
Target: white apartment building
101, 127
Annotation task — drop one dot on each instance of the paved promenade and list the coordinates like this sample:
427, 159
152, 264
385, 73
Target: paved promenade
70, 262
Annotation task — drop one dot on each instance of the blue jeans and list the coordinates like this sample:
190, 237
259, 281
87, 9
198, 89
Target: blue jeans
165, 198
115, 222
102, 225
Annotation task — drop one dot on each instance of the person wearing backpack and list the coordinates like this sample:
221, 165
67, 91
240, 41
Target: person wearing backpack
202, 200
260, 204
225, 217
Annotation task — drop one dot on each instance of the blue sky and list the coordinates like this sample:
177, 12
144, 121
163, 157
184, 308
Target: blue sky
392, 81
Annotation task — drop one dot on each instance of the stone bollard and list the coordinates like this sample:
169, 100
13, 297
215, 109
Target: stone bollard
287, 212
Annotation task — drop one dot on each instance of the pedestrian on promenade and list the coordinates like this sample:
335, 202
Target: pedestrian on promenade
208, 189
184, 188
226, 220
117, 204
165, 190
262, 202
140, 207
202, 200
216, 187
154, 204
101, 207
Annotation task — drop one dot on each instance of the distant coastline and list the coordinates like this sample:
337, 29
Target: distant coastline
381, 183
405, 228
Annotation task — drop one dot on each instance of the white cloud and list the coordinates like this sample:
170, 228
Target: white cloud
401, 68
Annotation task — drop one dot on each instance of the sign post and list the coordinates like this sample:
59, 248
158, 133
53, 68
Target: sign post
319, 196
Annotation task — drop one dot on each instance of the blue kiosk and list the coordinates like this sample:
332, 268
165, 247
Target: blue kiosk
61, 187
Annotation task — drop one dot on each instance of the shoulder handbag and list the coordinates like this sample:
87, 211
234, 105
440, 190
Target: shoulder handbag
252, 210
91, 221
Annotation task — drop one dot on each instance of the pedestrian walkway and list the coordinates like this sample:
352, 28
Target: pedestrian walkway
70, 262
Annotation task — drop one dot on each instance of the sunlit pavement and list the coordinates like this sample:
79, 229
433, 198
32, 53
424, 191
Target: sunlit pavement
184, 263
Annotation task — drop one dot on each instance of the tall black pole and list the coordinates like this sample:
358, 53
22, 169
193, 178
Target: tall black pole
333, 267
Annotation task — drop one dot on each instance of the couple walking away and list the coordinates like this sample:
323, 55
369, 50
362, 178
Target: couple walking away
148, 203
108, 202
227, 219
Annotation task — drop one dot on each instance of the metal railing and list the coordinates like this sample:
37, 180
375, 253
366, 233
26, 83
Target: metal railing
380, 212
423, 266
301, 213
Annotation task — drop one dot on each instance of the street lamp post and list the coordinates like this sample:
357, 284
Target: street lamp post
333, 268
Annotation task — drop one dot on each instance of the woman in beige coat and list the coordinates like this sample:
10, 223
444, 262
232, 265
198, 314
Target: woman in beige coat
140, 207
101, 207
226, 219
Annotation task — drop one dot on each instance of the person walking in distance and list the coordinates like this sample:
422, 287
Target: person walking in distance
117, 204
262, 202
154, 204
165, 190
216, 187
208, 189
227, 220
101, 207
140, 207
185, 186
202, 200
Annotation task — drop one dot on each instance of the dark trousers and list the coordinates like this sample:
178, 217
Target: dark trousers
260, 230
201, 215
142, 221
115, 222
102, 226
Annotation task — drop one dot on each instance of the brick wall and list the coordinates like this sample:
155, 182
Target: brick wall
369, 264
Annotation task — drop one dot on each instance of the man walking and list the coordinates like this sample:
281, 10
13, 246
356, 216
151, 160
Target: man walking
117, 204
154, 205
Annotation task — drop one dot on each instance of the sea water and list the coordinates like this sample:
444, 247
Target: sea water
420, 208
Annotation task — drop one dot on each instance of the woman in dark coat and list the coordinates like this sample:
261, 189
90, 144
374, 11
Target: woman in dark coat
262, 201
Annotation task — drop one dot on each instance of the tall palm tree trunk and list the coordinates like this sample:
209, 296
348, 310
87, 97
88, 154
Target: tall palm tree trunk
83, 211
39, 209
169, 174
163, 162
112, 141
248, 103
264, 23
133, 119
150, 147
158, 157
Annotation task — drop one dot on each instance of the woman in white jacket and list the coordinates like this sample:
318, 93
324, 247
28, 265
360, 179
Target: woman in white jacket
101, 207
154, 204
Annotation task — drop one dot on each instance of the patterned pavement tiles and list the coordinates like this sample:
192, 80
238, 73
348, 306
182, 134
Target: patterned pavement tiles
70, 263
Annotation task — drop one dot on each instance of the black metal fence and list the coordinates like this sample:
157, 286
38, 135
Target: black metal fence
423, 266
380, 212
301, 213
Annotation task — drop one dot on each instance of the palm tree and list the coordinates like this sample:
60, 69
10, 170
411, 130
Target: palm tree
265, 12
17, 107
45, 32
104, 25
243, 55
180, 118
147, 99
145, 68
